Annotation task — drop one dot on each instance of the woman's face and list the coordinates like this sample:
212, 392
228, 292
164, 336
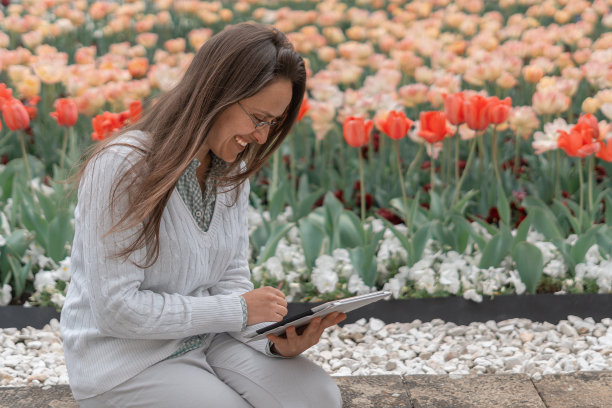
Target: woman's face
235, 129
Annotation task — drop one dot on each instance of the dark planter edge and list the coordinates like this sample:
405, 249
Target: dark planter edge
539, 308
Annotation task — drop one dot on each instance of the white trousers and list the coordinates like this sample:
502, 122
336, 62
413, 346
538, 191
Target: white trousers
229, 374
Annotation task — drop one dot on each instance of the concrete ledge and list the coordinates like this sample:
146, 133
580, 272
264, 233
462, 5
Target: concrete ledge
582, 389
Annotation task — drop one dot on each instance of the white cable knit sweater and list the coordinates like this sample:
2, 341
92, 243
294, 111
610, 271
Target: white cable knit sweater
118, 319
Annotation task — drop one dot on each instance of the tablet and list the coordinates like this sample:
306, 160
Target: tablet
302, 319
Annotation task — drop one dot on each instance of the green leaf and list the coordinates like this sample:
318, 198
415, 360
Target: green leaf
312, 240
464, 202
502, 205
419, 241
363, 260
496, 249
608, 211
522, 230
60, 233
304, 205
269, 249
16, 245
529, 263
34, 221
559, 208
545, 224
435, 206
277, 201
583, 244
351, 230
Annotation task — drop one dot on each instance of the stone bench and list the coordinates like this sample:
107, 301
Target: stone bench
579, 390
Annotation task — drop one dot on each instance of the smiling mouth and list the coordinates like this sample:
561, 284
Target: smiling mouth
241, 141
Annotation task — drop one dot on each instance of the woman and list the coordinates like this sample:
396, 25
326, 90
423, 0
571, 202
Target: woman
160, 290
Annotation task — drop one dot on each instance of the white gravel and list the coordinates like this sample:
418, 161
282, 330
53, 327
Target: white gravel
35, 357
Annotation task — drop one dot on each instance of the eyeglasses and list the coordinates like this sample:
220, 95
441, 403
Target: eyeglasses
259, 124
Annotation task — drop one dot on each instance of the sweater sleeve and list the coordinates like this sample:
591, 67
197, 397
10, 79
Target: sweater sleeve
237, 276
120, 308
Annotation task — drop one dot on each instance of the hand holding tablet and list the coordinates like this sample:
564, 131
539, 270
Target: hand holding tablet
300, 321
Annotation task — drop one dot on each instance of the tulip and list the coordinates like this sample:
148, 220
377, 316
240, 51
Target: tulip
303, 109
138, 67
15, 114
499, 110
356, 131
580, 141
605, 151
133, 113
395, 125
475, 110
433, 126
453, 107
66, 112
104, 125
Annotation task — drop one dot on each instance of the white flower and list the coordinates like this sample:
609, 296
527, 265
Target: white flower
325, 280
325, 262
257, 273
44, 280
356, 285
606, 109
547, 140
449, 278
5, 295
2, 241
341, 255
517, 282
555, 268
395, 286
425, 279
275, 268
472, 295
58, 299
63, 272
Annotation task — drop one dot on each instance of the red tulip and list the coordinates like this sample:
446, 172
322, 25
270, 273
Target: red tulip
580, 142
453, 107
15, 114
395, 125
31, 107
499, 110
66, 112
105, 124
303, 109
475, 112
356, 130
433, 126
132, 114
5, 93
590, 121
605, 151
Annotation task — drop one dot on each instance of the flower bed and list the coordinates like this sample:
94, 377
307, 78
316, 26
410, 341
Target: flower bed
481, 126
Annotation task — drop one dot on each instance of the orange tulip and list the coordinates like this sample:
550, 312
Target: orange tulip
499, 110
579, 142
138, 67
15, 114
395, 125
475, 112
433, 126
66, 112
605, 151
303, 109
105, 124
31, 107
5, 93
356, 130
453, 107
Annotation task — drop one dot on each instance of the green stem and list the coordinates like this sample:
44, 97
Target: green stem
292, 166
416, 160
274, 172
25, 157
495, 165
361, 186
432, 175
465, 170
516, 155
557, 175
401, 177
64, 146
591, 171
580, 177
457, 155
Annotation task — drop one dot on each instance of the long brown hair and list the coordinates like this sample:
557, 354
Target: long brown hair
232, 65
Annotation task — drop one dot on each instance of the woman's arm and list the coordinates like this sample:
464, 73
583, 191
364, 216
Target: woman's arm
120, 308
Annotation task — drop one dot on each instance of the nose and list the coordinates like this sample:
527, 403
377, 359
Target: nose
261, 134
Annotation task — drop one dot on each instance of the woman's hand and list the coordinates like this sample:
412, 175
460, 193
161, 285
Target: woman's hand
294, 343
265, 304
